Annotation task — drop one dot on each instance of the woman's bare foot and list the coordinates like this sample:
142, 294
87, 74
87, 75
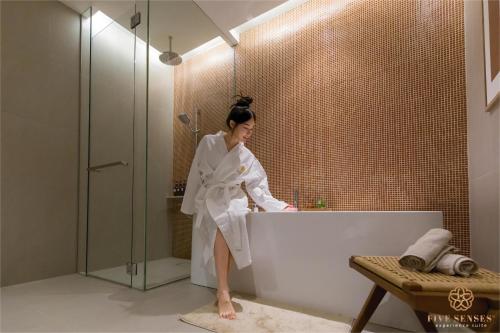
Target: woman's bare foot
226, 309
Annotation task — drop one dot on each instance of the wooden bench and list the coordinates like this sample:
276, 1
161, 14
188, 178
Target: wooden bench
432, 293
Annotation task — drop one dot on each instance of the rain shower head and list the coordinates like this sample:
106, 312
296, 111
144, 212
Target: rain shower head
170, 58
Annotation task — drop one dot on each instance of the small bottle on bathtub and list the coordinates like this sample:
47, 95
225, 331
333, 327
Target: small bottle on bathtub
255, 208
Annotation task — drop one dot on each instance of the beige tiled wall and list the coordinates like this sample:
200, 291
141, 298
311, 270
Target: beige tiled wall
39, 135
361, 103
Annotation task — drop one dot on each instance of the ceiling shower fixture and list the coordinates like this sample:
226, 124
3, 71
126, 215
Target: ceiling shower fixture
170, 58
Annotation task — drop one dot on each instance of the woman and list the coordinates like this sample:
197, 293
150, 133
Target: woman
221, 163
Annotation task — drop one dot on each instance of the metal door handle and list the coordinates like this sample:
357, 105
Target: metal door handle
107, 165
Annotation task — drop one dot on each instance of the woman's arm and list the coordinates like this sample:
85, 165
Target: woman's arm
193, 182
258, 188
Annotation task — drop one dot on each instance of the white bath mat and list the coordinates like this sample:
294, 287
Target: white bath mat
259, 316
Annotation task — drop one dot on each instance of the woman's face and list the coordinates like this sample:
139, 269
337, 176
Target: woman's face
244, 130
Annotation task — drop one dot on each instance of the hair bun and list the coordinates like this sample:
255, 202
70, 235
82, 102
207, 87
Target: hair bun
244, 101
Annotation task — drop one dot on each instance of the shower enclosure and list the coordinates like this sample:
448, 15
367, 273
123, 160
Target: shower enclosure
138, 136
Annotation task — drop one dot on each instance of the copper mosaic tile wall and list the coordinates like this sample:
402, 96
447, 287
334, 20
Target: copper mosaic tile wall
363, 103
359, 102
204, 83
182, 228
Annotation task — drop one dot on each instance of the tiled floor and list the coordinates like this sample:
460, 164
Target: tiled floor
75, 303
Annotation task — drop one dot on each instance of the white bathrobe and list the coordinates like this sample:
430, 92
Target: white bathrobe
213, 194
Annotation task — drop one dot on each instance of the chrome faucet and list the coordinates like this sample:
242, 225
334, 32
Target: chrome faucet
296, 198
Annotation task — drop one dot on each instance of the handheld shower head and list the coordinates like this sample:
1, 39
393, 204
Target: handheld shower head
184, 118
186, 121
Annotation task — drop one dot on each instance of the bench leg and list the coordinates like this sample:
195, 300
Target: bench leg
428, 325
368, 309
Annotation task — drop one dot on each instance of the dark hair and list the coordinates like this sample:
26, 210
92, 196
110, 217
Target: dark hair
240, 111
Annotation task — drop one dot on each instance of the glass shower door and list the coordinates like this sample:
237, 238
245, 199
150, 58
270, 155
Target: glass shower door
112, 118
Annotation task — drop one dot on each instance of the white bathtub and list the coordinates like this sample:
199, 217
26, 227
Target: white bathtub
301, 258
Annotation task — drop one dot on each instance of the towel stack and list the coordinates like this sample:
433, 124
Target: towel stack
433, 251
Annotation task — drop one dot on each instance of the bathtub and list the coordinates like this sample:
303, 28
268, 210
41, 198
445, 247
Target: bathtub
301, 258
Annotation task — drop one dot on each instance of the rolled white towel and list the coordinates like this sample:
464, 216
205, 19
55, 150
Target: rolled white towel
452, 264
427, 250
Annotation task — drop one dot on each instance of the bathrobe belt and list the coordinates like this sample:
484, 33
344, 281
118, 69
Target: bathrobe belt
209, 191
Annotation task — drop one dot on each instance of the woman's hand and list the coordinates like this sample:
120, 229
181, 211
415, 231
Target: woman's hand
290, 208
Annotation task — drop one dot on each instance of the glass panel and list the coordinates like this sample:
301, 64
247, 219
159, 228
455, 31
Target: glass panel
139, 150
200, 86
111, 142
84, 137
140, 144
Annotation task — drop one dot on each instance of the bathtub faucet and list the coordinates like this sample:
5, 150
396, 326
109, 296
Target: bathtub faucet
296, 198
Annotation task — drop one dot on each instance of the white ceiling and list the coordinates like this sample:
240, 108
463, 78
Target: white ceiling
190, 23
230, 14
